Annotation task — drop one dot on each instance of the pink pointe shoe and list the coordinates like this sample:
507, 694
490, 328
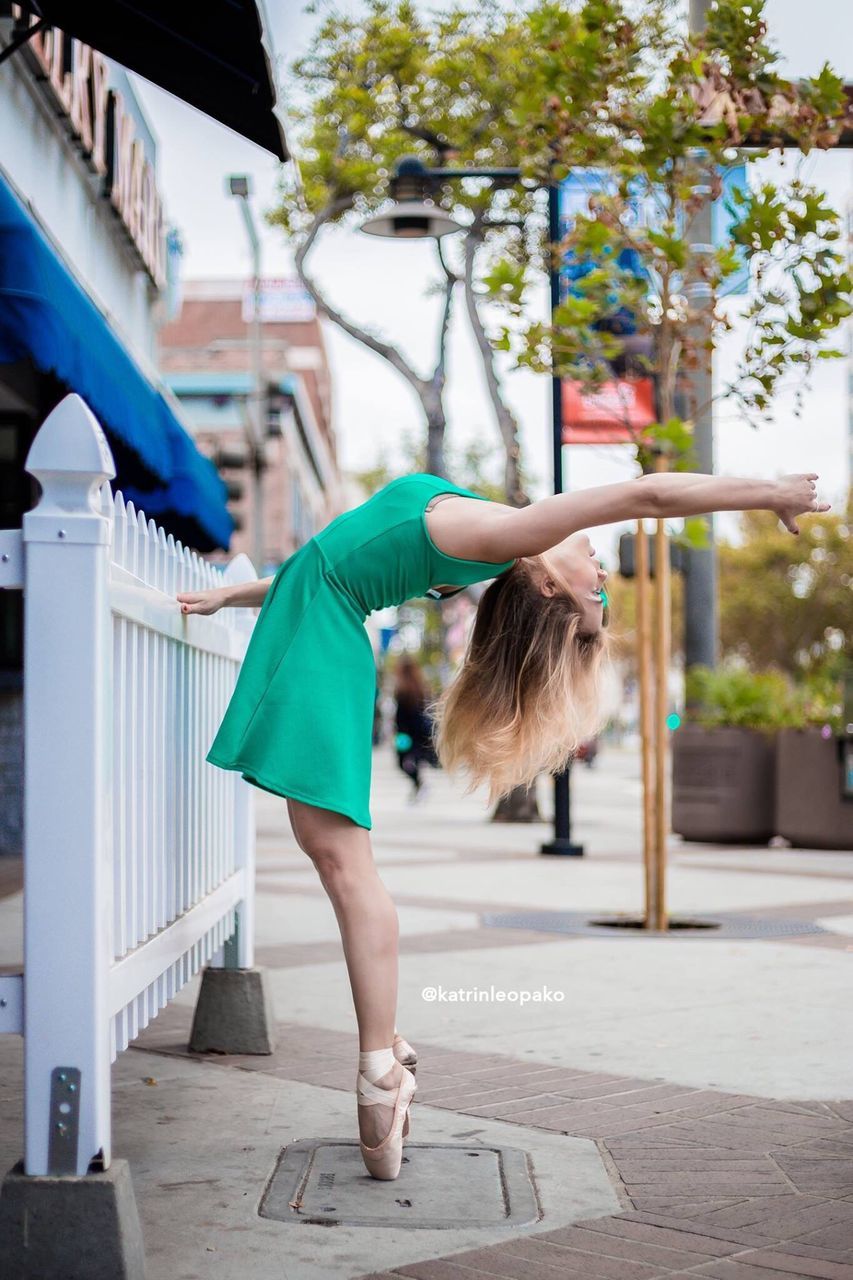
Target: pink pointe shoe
384, 1160
404, 1053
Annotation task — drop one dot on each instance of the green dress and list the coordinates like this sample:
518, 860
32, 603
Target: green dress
300, 719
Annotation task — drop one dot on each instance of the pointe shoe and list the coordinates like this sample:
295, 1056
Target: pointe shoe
383, 1161
405, 1054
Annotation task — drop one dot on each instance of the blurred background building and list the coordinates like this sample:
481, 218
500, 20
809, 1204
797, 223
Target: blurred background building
207, 361
84, 272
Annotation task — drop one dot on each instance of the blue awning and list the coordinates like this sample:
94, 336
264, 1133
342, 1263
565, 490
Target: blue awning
196, 494
46, 316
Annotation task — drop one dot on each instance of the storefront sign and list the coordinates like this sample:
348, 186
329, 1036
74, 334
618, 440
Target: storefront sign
284, 300
76, 80
614, 413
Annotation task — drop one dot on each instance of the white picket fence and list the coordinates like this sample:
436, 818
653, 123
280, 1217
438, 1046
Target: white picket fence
138, 854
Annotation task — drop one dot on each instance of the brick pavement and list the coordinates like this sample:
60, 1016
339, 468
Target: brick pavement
710, 1183
725, 1185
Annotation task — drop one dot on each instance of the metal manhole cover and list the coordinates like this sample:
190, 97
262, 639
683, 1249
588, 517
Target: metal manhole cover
717, 924
441, 1185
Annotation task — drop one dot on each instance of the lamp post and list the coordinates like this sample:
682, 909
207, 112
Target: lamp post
239, 186
413, 216
562, 842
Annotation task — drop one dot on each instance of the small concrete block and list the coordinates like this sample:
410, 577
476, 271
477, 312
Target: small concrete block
81, 1226
234, 1012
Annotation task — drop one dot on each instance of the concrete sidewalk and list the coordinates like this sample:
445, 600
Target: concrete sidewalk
684, 1106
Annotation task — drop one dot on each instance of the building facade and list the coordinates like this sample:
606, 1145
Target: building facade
84, 269
206, 357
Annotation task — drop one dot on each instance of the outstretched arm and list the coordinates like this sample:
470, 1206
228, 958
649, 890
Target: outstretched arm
214, 598
530, 530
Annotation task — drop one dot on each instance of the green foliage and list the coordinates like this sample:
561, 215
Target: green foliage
393, 81
800, 288
788, 603
818, 699
736, 696
733, 695
559, 84
786, 622
667, 112
695, 534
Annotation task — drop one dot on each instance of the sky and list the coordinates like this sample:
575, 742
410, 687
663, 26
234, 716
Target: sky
381, 284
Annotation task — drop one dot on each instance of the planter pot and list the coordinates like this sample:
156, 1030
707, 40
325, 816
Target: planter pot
810, 809
723, 784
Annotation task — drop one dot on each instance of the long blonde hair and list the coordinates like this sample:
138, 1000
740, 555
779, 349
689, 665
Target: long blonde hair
528, 692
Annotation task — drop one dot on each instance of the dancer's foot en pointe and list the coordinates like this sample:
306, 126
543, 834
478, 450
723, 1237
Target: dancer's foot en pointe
384, 1090
404, 1053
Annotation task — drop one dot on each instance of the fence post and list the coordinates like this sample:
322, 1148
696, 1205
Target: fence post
53, 1222
67, 798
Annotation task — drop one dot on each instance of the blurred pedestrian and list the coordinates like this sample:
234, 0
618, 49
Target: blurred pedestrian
413, 741
587, 751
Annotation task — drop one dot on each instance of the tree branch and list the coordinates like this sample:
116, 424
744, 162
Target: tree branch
506, 420
451, 280
384, 349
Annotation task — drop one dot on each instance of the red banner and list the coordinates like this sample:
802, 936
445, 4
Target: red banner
615, 413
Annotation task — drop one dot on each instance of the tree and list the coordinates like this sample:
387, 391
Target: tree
393, 82
788, 603
784, 603
663, 113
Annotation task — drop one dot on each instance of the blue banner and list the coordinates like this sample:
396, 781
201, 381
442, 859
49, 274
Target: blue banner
578, 194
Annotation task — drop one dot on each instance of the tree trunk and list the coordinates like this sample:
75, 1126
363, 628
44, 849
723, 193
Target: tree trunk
520, 805
436, 427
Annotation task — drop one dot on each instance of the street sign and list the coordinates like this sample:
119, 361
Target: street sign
614, 413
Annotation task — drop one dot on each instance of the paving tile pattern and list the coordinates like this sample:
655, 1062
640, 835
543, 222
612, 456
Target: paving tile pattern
724, 1185
500, 936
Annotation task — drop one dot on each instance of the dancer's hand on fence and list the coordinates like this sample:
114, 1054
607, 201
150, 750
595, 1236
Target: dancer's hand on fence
797, 494
203, 601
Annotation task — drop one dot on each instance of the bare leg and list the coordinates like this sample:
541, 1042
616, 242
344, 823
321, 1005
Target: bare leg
367, 918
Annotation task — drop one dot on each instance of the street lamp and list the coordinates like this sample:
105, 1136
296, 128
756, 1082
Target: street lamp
414, 217
240, 186
412, 220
